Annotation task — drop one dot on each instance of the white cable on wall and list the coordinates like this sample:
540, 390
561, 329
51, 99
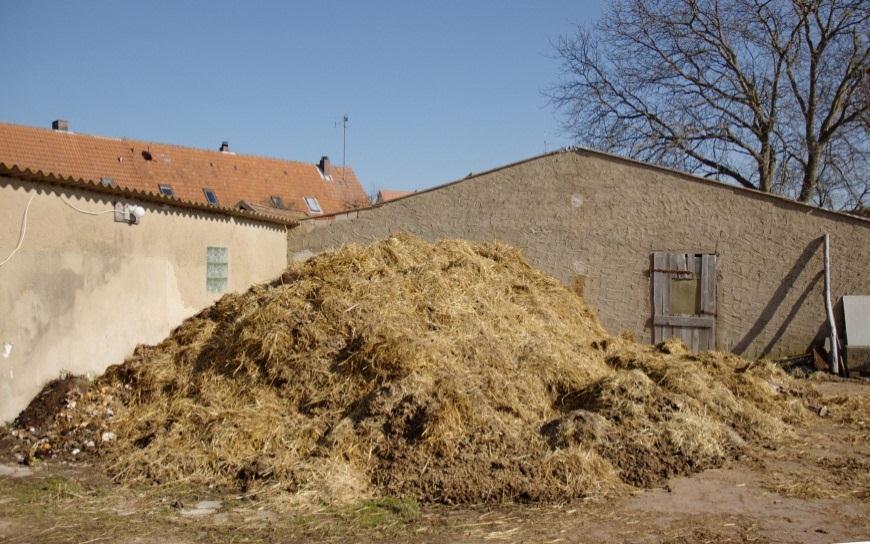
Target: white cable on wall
23, 231
24, 223
62, 199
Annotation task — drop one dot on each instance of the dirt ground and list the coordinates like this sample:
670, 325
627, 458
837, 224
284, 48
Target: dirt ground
812, 489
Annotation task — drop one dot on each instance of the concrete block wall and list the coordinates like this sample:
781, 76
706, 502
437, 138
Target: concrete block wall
582, 213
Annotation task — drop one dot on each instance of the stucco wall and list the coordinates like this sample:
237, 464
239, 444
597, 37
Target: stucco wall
83, 290
584, 214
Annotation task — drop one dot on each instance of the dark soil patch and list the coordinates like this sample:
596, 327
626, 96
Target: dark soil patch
42, 410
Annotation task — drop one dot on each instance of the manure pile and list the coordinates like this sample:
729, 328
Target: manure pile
452, 372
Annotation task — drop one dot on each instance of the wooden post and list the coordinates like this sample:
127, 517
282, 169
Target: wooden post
829, 308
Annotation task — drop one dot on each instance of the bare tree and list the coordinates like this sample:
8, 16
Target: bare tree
770, 94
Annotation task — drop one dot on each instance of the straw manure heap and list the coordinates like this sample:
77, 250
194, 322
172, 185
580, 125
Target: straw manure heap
452, 372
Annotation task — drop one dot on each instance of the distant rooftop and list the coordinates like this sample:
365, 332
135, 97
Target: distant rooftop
216, 177
385, 195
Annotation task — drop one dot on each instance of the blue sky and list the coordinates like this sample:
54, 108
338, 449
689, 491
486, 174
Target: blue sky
434, 90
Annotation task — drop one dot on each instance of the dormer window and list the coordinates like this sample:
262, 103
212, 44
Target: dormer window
210, 196
324, 176
166, 190
278, 202
313, 204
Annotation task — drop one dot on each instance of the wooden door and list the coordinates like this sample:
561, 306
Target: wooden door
684, 298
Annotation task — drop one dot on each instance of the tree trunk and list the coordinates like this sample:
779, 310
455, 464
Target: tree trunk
811, 173
766, 166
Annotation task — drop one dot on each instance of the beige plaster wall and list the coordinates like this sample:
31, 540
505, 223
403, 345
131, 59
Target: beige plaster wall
83, 290
584, 214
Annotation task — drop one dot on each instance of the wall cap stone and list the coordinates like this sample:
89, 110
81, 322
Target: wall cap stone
587, 151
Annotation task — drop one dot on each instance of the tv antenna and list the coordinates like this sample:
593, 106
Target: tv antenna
344, 121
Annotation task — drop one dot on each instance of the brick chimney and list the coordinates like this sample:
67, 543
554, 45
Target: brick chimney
225, 147
325, 166
60, 124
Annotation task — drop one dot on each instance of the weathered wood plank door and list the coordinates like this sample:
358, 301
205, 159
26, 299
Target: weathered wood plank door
684, 298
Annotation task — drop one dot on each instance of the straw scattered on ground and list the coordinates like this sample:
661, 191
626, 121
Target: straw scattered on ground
452, 372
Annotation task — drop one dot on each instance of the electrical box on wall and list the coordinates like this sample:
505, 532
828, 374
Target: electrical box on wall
128, 213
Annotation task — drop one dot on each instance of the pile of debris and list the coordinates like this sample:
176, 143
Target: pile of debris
69, 419
452, 372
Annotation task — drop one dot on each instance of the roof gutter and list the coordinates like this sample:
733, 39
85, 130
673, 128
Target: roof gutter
15, 172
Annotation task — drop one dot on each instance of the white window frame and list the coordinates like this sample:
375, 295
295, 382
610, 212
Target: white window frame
313, 204
324, 177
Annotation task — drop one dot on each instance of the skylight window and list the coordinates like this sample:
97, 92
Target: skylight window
313, 204
166, 190
278, 202
210, 196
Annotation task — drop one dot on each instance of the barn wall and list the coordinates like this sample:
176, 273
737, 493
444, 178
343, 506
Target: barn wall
83, 290
585, 214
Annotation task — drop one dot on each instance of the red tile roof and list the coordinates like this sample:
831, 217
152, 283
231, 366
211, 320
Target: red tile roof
293, 215
143, 166
385, 195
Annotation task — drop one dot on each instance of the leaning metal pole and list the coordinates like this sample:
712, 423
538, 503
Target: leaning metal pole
829, 308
